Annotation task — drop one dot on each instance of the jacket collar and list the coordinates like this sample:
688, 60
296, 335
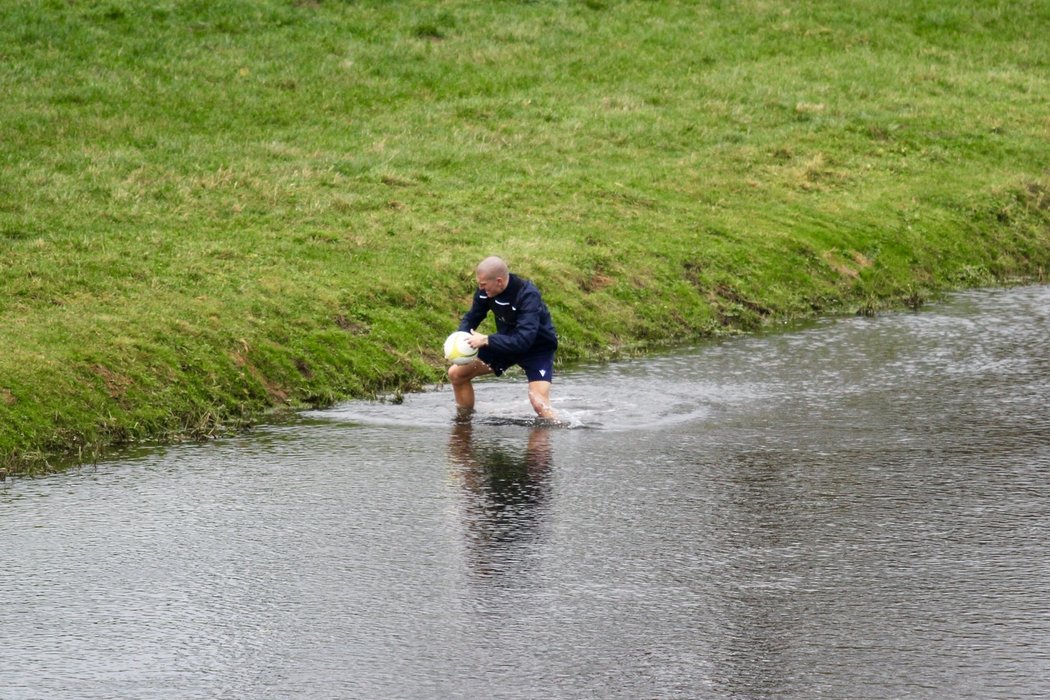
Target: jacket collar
513, 285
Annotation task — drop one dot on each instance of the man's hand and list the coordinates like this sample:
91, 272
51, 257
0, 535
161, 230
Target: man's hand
477, 340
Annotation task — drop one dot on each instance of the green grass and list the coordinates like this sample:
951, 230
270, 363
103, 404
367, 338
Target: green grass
212, 210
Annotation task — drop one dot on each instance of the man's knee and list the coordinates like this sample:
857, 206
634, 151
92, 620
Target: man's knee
462, 374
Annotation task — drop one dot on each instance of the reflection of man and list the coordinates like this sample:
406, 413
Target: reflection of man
505, 492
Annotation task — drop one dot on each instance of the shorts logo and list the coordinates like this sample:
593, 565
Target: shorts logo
543, 373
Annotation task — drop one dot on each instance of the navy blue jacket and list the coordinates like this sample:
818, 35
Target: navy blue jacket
523, 323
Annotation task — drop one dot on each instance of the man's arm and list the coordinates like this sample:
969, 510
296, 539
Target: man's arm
473, 318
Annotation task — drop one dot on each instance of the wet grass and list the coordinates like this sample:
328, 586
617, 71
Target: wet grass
212, 211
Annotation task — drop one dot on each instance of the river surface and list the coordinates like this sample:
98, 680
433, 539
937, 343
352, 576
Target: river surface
859, 508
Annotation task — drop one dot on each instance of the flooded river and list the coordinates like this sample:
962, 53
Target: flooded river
855, 509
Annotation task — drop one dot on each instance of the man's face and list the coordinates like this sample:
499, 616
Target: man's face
492, 286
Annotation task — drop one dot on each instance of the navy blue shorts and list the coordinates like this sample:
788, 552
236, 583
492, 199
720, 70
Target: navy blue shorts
538, 366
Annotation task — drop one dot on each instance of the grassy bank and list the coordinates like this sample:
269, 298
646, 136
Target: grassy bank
211, 210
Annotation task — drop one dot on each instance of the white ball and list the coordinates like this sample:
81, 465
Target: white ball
457, 351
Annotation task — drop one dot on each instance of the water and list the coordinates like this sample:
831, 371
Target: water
856, 509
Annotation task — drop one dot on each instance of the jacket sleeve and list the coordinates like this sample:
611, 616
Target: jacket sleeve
473, 318
522, 337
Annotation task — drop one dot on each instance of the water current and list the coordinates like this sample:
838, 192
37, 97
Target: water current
858, 508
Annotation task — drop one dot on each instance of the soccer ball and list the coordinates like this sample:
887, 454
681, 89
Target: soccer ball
457, 351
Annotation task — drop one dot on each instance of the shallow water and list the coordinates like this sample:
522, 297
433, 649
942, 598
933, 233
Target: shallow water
859, 508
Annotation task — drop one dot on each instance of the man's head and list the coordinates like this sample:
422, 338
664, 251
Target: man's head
492, 275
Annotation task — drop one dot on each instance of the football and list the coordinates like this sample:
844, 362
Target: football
457, 350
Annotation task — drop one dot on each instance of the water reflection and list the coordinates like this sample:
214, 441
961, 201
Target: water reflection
506, 486
759, 582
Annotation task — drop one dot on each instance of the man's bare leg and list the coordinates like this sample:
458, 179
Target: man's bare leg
540, 398
462, 389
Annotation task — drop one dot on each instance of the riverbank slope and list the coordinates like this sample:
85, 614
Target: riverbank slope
212, 211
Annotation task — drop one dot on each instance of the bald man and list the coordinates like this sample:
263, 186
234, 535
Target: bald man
524, 336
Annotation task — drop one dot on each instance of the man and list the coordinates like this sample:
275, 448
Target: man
524, 336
